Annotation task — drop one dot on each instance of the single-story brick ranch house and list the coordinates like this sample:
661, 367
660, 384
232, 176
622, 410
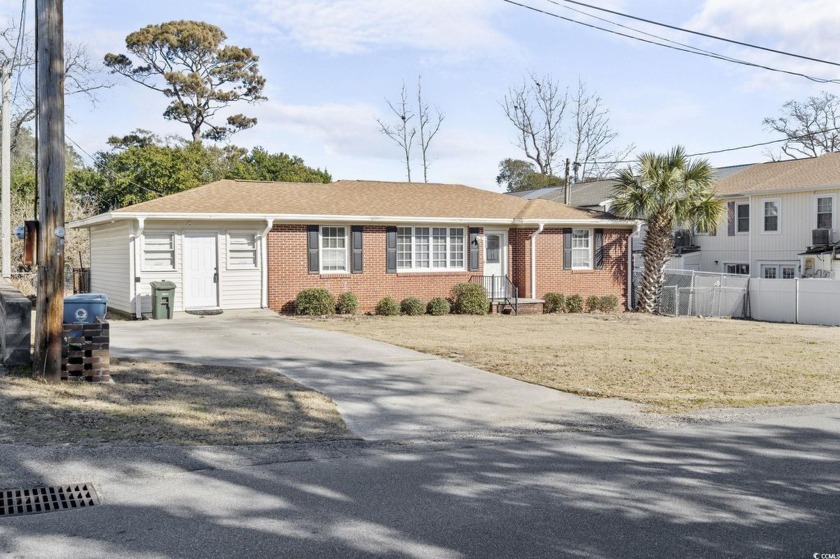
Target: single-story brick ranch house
249, 244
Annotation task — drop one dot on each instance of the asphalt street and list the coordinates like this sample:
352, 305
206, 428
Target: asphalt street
584, 481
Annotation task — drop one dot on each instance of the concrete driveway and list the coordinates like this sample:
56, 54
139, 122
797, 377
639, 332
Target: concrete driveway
382, 391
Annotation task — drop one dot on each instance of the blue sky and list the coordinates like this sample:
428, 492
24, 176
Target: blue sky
330, 65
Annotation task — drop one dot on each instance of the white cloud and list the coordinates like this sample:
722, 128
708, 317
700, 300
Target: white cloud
352, 26
807, 27
342, 129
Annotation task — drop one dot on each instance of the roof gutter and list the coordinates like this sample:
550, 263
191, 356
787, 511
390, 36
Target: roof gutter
534, 260
777, 191
307, 218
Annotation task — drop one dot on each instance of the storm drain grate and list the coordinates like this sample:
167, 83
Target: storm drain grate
35, 500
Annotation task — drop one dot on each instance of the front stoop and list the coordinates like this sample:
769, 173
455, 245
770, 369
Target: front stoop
526, 306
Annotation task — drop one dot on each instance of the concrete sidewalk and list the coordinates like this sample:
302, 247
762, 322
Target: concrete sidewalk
382, 391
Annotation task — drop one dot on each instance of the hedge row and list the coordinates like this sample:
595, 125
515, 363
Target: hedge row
559, 303
466, 298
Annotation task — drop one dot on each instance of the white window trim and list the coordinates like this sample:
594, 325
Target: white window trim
431, 269
725, 264
256, 251
738, 221
346, 269
778, 202
778, 265
144, 267
833, 210
591, 236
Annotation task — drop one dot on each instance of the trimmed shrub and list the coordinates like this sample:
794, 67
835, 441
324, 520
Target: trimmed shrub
608, 303
347, 303
554, 302
314, 301
387, 306
412, 306
574, 304
438, 307
470, 298
593, 303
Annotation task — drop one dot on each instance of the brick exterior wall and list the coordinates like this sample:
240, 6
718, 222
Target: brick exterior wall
551, 277
288, 272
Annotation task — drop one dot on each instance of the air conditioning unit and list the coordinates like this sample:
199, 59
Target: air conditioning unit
682, 239
820, 237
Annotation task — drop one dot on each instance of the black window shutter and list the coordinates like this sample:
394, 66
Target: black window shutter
567, 249
356, 244
731, 217
473, 263
312, 246
599, 249
391, 252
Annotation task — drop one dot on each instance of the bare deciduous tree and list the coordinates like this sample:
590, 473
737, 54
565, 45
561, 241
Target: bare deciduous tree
429, 127
81, 76
401, 133
812, 127
593, 136
536, 109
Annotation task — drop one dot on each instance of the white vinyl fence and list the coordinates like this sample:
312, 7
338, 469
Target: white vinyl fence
803, 301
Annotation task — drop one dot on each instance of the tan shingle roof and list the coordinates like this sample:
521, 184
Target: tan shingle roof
817, 172
357, 198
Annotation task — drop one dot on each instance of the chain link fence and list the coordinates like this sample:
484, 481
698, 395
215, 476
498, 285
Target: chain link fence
693, 293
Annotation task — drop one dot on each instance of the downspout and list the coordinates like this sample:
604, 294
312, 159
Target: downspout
269, 223
753, 225
636, 233
534, 260
138, 306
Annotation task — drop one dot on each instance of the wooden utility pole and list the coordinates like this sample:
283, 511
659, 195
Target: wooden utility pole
49, 61
5, 163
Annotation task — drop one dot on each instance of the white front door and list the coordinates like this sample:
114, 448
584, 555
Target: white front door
495, 263
200, 271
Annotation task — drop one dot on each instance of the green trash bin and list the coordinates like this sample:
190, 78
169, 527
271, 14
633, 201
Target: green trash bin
163, 299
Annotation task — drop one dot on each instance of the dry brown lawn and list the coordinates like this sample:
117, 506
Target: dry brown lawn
154, 402
671, 364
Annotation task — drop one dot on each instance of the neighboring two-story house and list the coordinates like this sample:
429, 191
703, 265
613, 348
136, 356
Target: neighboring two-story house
781, 220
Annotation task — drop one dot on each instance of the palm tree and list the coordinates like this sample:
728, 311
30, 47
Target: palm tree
667, 191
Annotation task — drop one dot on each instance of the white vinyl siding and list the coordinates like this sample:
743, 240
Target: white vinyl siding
334, 253
110, 263
159, 252
430, 248
581, 249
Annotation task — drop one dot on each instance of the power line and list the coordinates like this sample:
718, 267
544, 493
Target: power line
110, 171
699, 33
690, 50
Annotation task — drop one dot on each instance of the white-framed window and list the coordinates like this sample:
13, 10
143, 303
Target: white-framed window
430, 248
771, 211
742, 218
826, 211
159, 252
736, 268
334, 254
242, 251
778, 270
581, 249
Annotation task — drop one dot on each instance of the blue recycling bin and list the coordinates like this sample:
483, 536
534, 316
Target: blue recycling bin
84, 308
